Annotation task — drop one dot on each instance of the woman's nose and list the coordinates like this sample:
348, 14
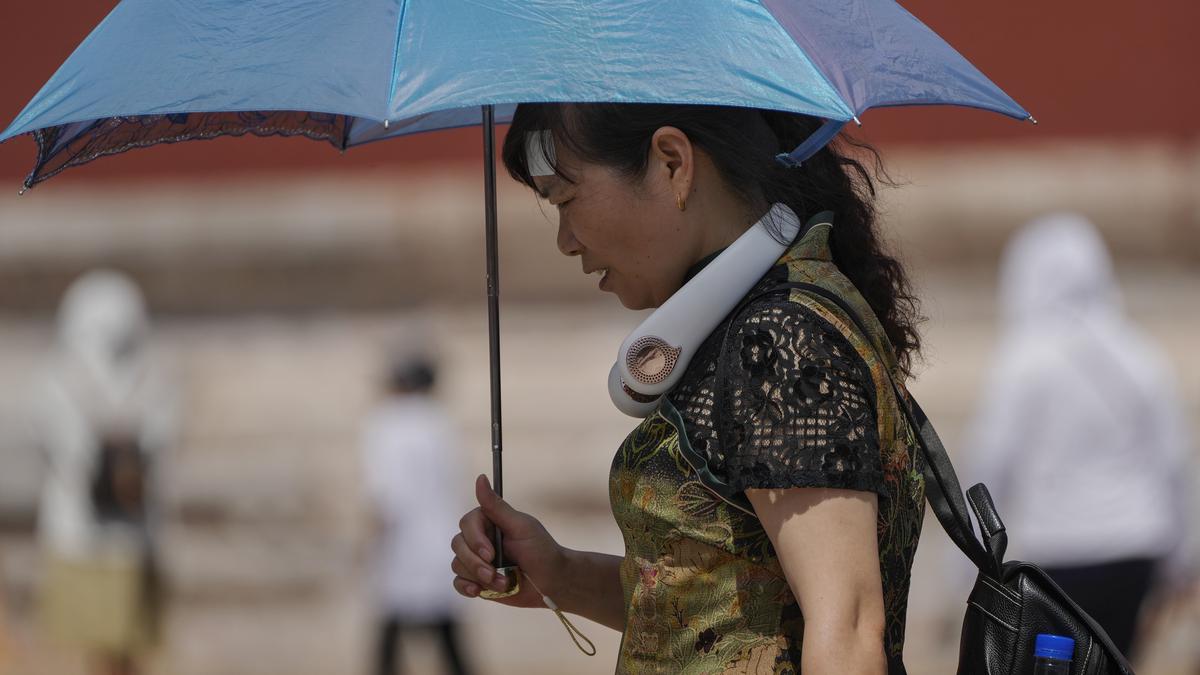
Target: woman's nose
567, 243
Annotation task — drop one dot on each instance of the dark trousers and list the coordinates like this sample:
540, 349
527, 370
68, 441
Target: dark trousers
1112, 593
388, 656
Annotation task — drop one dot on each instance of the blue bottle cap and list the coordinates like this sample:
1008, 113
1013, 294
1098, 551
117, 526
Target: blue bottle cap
1053, 647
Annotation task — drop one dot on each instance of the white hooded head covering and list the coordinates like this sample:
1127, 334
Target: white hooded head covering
1056, 266
102, 322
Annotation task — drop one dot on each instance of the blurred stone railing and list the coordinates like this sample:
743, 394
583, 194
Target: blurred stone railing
369, 241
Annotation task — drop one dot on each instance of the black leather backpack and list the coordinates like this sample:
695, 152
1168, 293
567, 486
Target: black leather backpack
1012, 601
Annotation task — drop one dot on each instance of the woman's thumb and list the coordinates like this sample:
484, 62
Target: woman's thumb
494, 507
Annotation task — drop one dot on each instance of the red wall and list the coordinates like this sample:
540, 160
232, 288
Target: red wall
1100, 68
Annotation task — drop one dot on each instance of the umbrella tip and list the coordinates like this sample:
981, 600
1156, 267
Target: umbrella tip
23, 190
386, 123
857, 121
1031, 119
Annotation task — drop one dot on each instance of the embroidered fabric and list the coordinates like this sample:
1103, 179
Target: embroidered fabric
62, 147
779, 398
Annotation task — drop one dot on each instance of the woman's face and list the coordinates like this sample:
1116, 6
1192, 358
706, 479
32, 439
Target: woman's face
630, 231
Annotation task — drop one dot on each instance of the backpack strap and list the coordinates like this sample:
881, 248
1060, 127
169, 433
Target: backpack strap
942, 488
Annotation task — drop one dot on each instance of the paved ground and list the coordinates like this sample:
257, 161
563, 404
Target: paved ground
265, 542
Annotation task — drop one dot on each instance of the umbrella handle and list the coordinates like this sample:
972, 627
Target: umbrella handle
512, 583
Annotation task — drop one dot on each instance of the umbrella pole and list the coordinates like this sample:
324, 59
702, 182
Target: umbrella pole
493, 300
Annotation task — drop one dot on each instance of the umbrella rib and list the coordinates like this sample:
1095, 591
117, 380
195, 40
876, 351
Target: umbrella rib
45, 154
809, 54
395, 56
349, 125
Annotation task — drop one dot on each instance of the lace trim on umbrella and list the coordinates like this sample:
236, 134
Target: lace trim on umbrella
114, 135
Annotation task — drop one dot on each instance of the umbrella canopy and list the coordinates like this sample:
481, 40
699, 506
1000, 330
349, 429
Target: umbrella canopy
357, 71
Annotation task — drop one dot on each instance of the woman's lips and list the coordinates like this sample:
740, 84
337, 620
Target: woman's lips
602, 272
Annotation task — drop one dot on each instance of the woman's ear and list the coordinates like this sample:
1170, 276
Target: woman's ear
673, 157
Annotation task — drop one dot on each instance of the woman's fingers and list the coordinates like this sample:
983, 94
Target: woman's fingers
483, 574
466, 587
460, 569
474, 578
472, 565
477, 531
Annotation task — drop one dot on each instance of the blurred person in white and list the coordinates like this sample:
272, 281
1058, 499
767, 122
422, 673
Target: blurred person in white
104, 414
410, 462
1081, 436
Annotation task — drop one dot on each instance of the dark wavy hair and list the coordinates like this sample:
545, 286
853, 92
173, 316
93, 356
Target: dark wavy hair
742, 144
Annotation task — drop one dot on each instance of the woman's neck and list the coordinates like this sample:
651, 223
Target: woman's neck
719, 221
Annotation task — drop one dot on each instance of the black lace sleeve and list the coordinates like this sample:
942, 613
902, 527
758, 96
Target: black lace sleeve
795, 405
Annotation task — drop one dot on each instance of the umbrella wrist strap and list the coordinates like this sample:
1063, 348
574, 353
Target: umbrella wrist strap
575, 633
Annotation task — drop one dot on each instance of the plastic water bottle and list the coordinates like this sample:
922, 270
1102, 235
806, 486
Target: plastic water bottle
1052, 654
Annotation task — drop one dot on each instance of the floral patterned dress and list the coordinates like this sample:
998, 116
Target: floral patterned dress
785, 393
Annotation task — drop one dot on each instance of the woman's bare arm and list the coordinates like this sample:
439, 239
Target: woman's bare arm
827, 546
593, 588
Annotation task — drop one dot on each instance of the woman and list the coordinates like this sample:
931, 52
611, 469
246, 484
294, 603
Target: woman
771, 505
105, 420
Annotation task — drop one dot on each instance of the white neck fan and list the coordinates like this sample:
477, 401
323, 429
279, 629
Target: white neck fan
656, 354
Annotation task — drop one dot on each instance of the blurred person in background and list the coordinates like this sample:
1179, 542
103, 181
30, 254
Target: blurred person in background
104, 417
409, 456
1080, 436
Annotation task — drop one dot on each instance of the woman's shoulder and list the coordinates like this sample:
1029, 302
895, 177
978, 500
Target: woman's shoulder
795, 400
789, 343
793, 316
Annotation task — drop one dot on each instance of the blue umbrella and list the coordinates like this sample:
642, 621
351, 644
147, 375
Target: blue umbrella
355, 71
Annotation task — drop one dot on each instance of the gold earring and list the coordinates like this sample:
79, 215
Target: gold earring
680, 203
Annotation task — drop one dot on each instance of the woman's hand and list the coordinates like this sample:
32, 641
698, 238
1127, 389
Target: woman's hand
526, 544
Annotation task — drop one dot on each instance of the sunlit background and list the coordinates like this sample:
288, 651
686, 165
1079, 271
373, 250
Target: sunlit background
282, 276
